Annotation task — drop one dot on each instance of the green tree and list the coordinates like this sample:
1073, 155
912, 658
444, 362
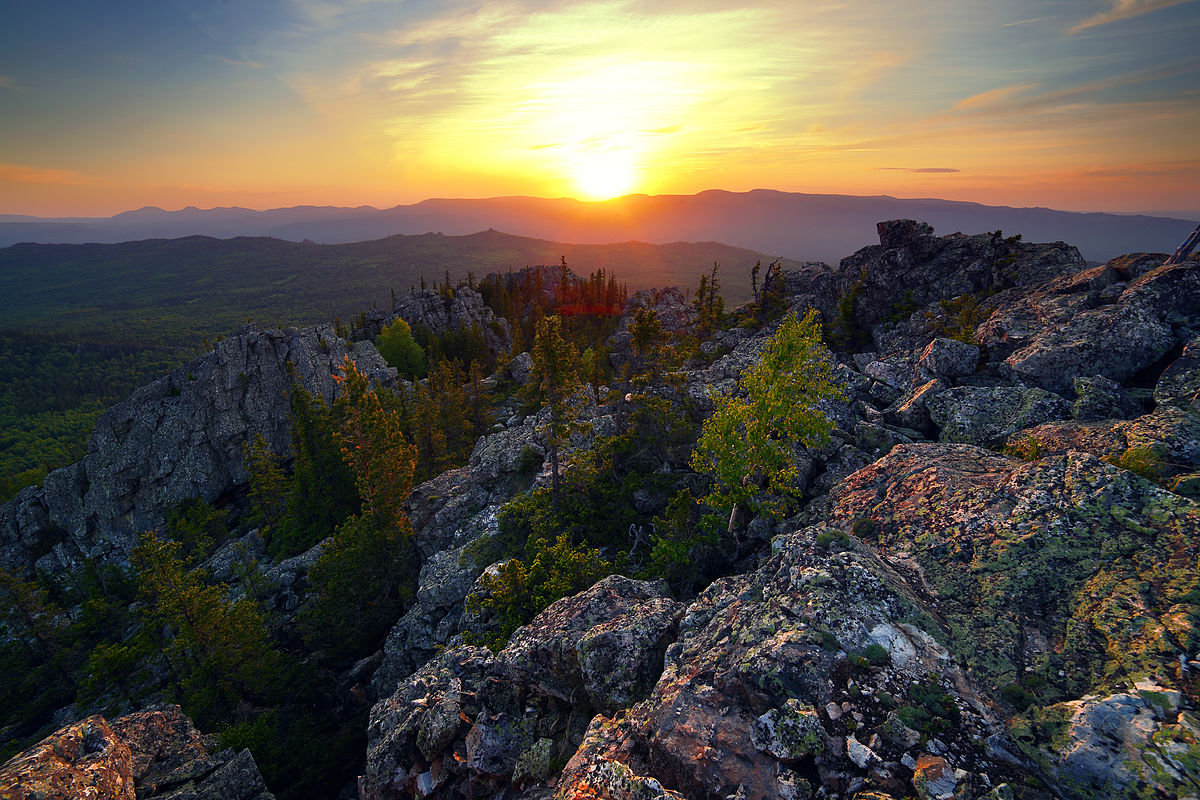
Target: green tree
268, 484
749, 443
217, 650
400, 350
709, 302
553, 378
362, 576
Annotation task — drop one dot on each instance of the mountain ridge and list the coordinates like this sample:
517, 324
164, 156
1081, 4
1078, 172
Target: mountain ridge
800, 226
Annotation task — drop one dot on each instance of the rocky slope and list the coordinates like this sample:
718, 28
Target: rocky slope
992, 592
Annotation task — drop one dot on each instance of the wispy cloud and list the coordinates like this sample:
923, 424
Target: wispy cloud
993, 96
1124, 9
23, 173
8, 82
1027, 21
925, 170
237, 62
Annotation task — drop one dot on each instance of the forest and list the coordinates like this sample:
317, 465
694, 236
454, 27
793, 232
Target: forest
81, 326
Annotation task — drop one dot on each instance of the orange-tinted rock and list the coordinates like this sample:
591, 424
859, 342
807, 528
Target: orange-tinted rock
82, 760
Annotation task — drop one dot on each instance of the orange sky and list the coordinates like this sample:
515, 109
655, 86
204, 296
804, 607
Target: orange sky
1078, 104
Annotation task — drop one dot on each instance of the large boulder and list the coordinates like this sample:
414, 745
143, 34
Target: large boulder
1179, 384
988, 415
1112, 321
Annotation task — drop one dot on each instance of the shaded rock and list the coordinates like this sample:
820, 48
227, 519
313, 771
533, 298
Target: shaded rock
1179, 385
899, 232
608, 641
462, 310
1101, 398
519, 368
987, 415
949, 358
1063, 329
912, 411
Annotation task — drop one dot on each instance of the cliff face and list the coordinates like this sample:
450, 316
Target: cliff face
177, 438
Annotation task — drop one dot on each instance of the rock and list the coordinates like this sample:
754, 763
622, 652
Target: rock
1045, 530
859, 753
149, 754
912, 411
519, 368
933, 778
601, 769
462, 310
493, 744
789, 732
949, 358
83, 760
1165, 443
899, 232
1101, 398
1179, 385
608, 641
988, 415
534, 764
1050, 334
178, 438
912, 268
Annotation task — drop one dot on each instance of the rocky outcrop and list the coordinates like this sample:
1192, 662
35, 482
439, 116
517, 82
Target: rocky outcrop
150, 754
462, 309
912, 267
470, 723
178, 438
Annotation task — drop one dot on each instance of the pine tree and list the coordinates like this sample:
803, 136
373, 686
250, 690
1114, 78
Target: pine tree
554, 377
268, 484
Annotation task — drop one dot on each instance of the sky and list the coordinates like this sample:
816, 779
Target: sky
1076, 104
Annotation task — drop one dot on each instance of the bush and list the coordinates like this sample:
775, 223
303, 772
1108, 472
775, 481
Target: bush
400, 350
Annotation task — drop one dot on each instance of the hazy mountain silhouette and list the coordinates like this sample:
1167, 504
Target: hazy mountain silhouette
797, 226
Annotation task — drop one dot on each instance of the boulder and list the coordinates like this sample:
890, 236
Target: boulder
85, 759
949, 358
462, 309
1101, 398
607, 641
1179, 384
988, 415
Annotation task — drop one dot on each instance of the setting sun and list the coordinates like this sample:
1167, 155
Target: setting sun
600, 176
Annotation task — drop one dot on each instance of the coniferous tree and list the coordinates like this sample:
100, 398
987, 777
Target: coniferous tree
553, 378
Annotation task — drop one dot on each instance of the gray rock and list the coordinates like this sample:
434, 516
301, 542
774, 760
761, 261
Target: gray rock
949, 358
789, 732
464, 309
987, 415
178, 438
519, 368
912, 410
1179, 385
1101, 398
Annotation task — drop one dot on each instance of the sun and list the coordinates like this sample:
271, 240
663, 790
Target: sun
602, 175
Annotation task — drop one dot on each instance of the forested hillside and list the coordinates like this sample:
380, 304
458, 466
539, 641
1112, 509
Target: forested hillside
83, 325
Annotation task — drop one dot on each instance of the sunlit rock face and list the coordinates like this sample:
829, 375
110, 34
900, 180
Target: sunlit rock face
149, 754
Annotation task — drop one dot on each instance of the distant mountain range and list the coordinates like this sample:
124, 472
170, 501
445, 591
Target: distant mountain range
796, 226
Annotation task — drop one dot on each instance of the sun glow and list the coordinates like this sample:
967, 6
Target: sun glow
599, 176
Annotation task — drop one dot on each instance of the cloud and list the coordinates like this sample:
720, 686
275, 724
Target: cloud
8, 82
1026, 21
993, 97
1124, 9
236, 62
922, 169
23, 173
